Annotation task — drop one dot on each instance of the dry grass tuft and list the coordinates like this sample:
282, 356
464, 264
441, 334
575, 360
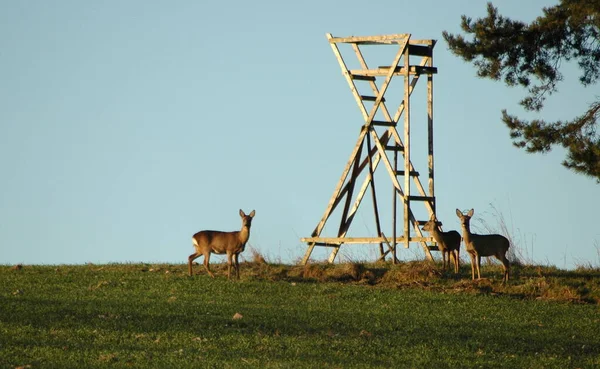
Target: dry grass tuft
527, 281
315, 272
414, 272
347, 272
257, 256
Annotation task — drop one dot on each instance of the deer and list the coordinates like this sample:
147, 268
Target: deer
483, 245
448, 242
217, 242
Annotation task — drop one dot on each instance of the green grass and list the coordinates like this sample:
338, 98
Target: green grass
343, 316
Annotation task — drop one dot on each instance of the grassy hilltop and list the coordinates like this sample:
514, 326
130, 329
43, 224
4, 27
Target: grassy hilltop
278, 316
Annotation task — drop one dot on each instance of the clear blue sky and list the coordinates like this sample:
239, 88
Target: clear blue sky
127, 126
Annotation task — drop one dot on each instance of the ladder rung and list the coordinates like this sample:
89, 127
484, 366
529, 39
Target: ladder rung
433, 248
371, 98
382, 123
412, 173
362, 78
394, 148
421, 198
412, 69
327, 244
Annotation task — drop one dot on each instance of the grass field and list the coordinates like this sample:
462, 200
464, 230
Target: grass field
278, 316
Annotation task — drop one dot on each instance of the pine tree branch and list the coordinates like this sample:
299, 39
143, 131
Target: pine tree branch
518, 53
579, 137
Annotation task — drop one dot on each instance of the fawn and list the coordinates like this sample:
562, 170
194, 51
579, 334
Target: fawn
216, 242
448, 242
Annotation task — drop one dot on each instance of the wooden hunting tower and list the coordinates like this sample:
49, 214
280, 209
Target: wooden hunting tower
380, 142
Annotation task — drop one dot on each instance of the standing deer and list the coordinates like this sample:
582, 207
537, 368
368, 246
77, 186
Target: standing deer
448, 242
216, 242
479, 245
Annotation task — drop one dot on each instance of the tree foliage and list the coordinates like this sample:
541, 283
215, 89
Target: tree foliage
530, 55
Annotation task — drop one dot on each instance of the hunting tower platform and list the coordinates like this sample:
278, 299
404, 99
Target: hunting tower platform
380, 142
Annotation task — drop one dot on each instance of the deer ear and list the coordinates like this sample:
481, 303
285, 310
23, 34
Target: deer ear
470, 213
242, 213
459, 213
252, 214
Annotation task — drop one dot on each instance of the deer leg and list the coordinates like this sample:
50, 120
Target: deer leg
443, 259
454, 260
237, 265
505, 266
448, 259
190, 259
473, 258
229, 262
478, 267
206, 264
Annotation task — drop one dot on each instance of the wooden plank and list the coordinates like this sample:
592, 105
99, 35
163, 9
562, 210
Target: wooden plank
430, 162
351, 183
422, 198
413, 69
398, 71
357, 77
327, 244
336, 241
371, 40
370, 98
372, 168
383, 124
394, 148
337, 245
412, 173
406, 152
394, 214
